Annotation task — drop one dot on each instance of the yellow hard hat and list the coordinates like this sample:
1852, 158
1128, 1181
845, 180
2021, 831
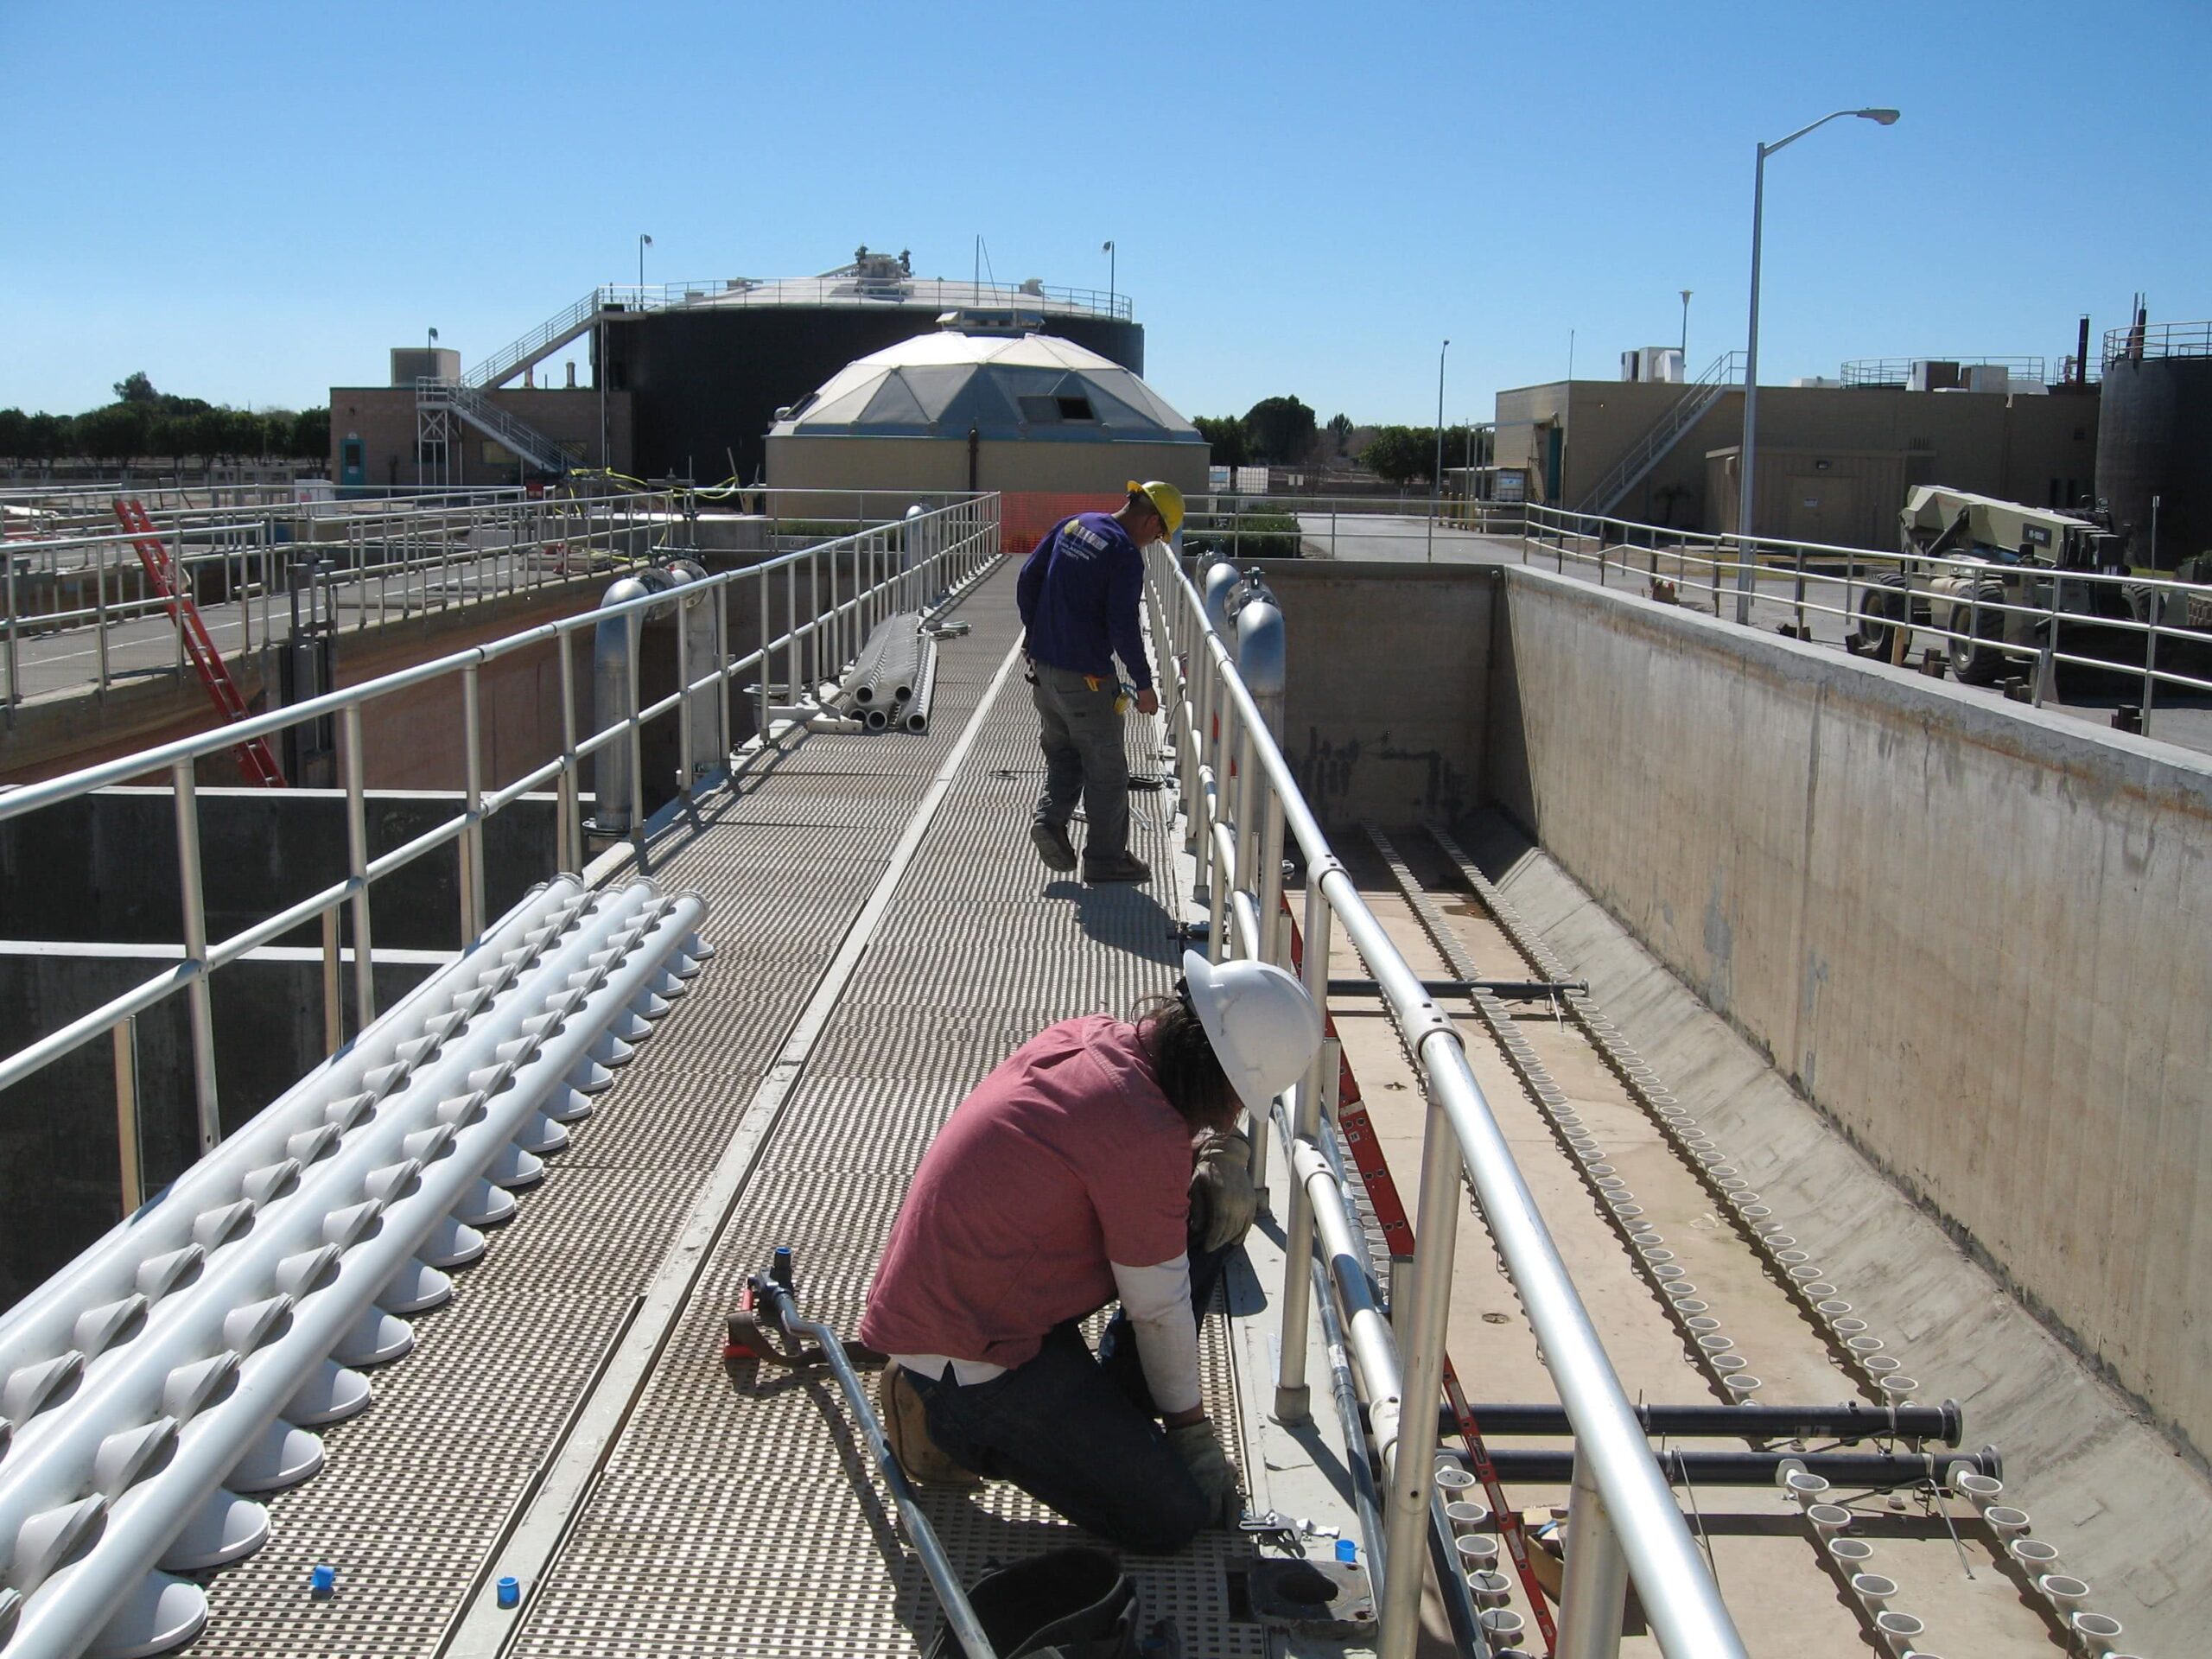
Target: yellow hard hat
1166, 500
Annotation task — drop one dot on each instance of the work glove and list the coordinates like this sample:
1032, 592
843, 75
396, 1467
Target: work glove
1221, 1193
1200, 1449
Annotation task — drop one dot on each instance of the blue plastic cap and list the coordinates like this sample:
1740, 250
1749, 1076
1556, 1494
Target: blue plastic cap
322, 1580
1347, 1549
510, 1593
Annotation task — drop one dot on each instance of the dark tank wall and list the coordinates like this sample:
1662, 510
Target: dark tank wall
2155, 439
706, 385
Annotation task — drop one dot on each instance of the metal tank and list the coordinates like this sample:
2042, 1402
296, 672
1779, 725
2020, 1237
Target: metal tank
2154, 432
706, 377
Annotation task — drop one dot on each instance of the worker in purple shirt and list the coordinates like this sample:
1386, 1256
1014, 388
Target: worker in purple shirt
1080, 593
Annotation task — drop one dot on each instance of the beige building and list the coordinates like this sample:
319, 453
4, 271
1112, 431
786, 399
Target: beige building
373, 430
1023, 414
1833, 461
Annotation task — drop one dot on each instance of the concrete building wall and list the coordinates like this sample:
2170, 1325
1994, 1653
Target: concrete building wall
844, 463
2040, 449
1973, 935
383, 418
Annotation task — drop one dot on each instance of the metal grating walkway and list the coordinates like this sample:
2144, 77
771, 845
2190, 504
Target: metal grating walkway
725, 1517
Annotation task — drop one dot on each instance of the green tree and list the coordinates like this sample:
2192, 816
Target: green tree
52, 436
1340, 429
15, 433
309, 439
136, 388
1401, 453
115, 433
1280, 429
1224, 433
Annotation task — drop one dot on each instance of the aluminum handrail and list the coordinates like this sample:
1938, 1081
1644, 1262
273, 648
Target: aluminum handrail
1705, 564
2152, 340
895, 566
1636, 1512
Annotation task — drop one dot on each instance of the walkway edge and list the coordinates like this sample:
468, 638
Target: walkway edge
482, 1631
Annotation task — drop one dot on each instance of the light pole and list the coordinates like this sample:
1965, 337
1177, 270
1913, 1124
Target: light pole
1745, 565
430, 356
1112, 260
1686, 333
1436, 481
644, 242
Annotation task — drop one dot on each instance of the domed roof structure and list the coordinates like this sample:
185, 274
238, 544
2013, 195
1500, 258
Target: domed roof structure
1001, 386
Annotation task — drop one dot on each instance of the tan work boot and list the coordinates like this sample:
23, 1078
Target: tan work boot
905, 1426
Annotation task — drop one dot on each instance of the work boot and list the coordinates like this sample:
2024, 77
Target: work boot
1053, 845
1116, 867
907, 1429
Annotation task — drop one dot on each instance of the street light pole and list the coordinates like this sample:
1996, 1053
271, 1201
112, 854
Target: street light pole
644, 242
1686, 333
1113, 261
1436, 481
1746, 457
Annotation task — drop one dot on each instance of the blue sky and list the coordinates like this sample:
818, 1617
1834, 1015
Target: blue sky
251, 203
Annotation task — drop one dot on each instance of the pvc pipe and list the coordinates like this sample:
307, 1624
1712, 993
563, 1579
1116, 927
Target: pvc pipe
1373, 1349
413, 1160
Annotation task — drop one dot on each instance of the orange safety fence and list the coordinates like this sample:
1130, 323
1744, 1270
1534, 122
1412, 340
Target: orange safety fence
1026, 514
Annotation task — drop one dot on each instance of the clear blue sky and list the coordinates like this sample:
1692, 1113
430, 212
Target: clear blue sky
252, 203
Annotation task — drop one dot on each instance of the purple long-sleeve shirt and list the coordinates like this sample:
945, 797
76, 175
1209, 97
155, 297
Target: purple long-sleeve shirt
1079, 592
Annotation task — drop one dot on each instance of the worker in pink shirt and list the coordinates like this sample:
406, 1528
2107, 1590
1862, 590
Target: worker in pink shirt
1098, 1162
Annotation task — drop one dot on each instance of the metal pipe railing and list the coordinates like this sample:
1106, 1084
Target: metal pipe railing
1863, 589
1680, 1601
969, 546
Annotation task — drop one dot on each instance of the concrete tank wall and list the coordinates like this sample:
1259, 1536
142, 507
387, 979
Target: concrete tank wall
1389, 687
1978, 936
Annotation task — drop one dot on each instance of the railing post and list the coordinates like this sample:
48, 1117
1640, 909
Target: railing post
133, 1186
568, 818
1423, 1328
333, 1012
1593, 1583
634, 626
357, 869
1293, 1397
201, 1003
761, 684
472, 834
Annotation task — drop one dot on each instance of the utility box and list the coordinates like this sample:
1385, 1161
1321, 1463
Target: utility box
1662, 363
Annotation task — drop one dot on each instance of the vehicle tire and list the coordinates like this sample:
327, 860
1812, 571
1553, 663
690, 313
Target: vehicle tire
1974, 620
1882, 606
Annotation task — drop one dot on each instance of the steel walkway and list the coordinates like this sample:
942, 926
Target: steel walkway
721, 1516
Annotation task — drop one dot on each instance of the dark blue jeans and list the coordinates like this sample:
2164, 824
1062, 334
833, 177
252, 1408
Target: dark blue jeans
1080, 1433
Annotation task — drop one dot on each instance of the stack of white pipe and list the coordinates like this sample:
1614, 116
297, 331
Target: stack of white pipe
182, 1360
891, 682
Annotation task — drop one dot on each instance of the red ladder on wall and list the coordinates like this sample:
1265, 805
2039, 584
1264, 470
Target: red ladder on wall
255, 759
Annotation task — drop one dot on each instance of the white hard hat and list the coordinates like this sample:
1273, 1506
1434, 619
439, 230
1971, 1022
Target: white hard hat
1263, 1026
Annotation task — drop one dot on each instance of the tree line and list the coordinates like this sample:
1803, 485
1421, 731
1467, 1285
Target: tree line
142, 422
1283, 432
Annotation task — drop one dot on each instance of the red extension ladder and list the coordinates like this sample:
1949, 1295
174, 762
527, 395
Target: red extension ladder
255, 759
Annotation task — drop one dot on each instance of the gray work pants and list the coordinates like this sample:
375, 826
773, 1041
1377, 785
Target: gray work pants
1081, 735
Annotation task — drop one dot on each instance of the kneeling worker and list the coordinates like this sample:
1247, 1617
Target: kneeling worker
1066, 1180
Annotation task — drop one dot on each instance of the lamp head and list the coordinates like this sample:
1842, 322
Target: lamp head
1886, 117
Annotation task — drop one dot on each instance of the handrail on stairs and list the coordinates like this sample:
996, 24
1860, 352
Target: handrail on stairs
1723, 373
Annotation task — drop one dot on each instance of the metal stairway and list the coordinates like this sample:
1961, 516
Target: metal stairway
434, 396
1726, 374
601, 304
